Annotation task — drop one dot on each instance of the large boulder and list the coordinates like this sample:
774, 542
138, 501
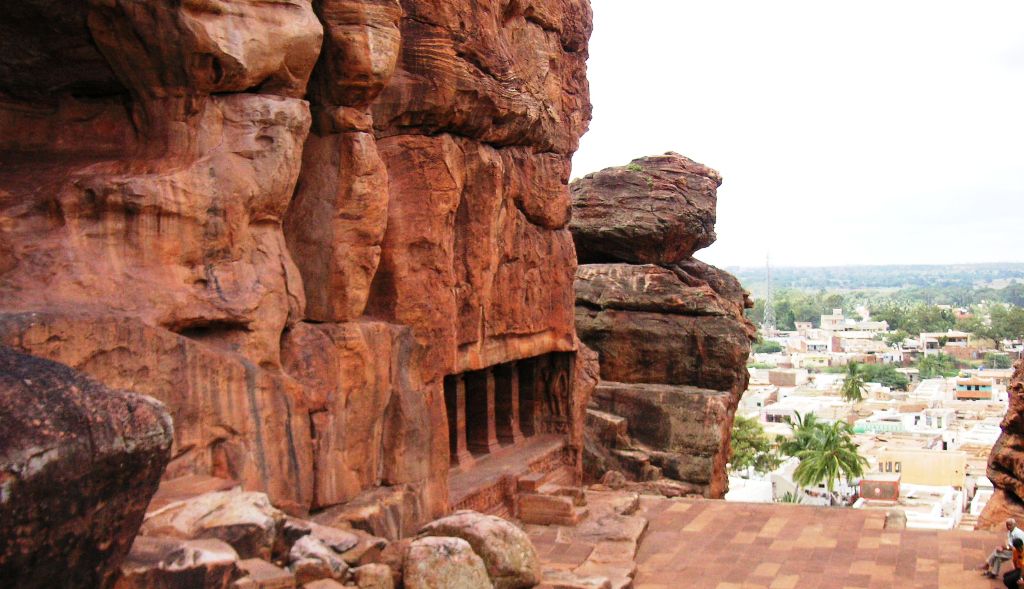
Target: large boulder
311, 559
658, 209
444, 563
245, 520
506, 550
173, 563
79, 462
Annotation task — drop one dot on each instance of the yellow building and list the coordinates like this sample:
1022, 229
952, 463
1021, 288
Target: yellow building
918, 466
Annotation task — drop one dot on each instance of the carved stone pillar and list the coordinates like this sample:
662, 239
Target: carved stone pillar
528, 395
455, 397
481, 429
506, 395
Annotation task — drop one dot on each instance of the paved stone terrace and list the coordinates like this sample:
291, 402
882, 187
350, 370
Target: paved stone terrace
714, 544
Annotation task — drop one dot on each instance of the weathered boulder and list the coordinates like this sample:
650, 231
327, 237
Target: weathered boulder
245, 520
172, 563
374, 576
506, 550
442, 563
260, 574
657, 209
78, 464
312, 559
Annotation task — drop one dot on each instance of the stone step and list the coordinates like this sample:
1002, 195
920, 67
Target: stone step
534, 508
578, 496
609, 428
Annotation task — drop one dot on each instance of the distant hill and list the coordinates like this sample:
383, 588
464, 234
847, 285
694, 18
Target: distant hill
881, 277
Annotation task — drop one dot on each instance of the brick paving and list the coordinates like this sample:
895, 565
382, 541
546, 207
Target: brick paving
719, 545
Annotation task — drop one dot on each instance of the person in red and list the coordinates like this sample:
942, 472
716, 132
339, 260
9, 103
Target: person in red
1012, 579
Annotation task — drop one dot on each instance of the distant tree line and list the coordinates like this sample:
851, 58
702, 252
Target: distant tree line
996, 314
792, 306
956, 276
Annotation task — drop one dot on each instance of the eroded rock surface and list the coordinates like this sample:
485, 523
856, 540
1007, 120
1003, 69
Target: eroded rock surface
291, 220
436, 562
506, 550
1006, 462
669, 330
657, 209
78, 465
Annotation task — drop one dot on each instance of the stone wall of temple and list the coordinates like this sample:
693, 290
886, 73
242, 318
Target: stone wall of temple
291, 220
669, 330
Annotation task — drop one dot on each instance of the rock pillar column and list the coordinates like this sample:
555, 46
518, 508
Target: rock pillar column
507, 403
456, 393
482, 428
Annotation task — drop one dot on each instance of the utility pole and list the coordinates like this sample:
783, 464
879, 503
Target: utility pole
768, 320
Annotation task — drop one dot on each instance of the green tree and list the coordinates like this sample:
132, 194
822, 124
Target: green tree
885, 375
751, 447
935, 365
831, 454
994, 360
895, 337
805, 427
854, 386
767, 347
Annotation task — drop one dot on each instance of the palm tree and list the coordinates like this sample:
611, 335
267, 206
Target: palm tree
854, 386
830, 453
805, 428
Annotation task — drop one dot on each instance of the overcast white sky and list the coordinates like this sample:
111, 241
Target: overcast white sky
861, 132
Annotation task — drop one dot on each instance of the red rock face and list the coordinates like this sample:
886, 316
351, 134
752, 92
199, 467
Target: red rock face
669, 330
290, 220
1006, 463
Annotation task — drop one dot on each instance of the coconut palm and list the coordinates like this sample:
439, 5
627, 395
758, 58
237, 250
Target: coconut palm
805, 428
854, 386
829, 454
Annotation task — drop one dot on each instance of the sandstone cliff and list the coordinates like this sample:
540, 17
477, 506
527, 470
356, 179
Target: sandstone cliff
291, 220
669, 330
1006, 462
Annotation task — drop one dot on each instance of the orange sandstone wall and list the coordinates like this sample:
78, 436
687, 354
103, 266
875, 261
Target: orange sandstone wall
289, 220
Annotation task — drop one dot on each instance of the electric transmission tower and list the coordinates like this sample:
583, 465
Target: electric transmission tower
768, 321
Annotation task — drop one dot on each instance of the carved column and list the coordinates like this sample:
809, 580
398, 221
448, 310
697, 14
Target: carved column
527, 395
506, 382
481, 428
455, 394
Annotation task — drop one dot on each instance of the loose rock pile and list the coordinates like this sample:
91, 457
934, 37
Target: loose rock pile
237, 540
